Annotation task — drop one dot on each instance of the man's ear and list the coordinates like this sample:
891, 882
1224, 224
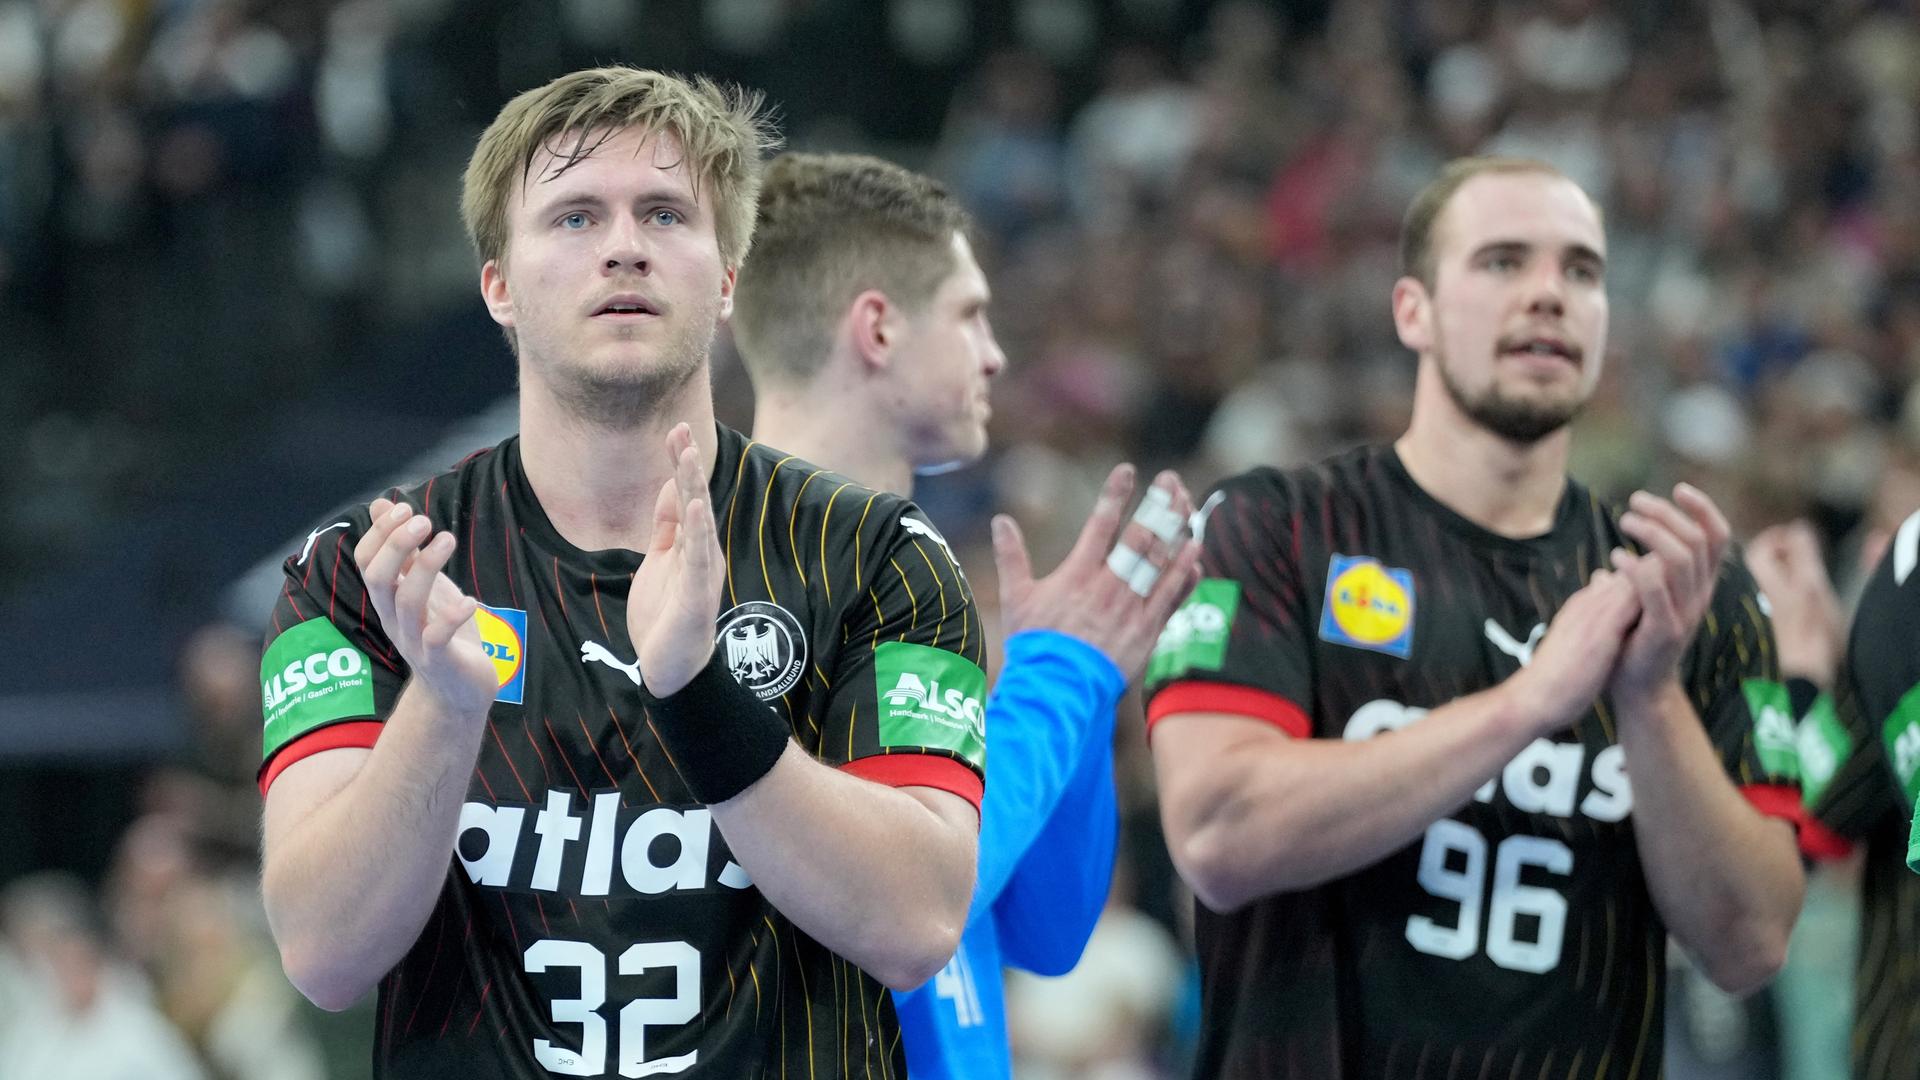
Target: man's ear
873, 325
726, 292
493, 289
1413, 314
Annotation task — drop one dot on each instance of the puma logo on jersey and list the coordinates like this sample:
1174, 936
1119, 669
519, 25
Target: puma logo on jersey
592, 652
921, 528
1508, 644
496, 846
314, 536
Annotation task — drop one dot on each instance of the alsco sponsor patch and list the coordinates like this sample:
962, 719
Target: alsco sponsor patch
1901, 735
1368, 606
1824, 744
1776, 738
311, 676
931, 698
503, 634
1196, 637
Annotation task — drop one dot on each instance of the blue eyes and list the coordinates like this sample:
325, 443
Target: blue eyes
578, 219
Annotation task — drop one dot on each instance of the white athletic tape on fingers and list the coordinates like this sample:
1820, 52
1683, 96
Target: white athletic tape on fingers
1123, 561
1157, 514
1143, 577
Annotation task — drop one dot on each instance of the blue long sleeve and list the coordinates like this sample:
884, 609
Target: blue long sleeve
1048, 909
1048, 824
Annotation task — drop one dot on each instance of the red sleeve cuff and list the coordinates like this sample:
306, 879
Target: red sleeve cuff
355, 733
1185, 697
920, 770
1783, 802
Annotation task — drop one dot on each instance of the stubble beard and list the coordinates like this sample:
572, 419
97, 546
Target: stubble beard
1519, 420
621, 398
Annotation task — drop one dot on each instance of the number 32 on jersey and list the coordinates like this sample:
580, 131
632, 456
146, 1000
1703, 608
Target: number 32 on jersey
635, 1016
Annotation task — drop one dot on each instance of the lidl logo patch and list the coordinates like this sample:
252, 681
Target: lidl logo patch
503, 633
931, 698
1368, 606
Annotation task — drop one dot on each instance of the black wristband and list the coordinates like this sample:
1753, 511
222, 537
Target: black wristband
1801, 694
719, 734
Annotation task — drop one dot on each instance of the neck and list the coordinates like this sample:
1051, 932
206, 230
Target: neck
825, 425
598, 483
1510, 489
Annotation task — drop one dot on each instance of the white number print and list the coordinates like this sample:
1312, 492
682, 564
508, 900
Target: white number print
955, 983
1467, 887
635, 1015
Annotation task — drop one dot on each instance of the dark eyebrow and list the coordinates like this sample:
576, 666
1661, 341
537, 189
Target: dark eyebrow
1583, 253
1572, 252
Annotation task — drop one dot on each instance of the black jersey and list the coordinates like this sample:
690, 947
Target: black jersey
592, 922
1516, 937
1860, 751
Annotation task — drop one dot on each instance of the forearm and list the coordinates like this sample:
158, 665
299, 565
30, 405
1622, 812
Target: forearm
1049, 907
867, 870
1049, 721
1269, 814
1727, 880
349, 885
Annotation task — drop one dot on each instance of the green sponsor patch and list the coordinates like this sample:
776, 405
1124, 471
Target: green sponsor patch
1824, 747
1775, 735
312, 675
1913, 847
1901, 733
1196, 637
931, 698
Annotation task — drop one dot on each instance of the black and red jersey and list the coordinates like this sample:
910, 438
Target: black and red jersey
1515, 937
592, 921
1860, 752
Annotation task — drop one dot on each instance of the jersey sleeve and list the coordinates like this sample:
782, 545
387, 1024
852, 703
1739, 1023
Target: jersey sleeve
908, 691
1240, 644
1860, 747
1734, 682
1050, 820
328, 676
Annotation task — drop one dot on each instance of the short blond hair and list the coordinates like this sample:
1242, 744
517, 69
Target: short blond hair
1416, 231
722, 129
831, 227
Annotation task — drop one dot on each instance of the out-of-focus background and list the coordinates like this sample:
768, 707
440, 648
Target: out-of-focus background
234, 293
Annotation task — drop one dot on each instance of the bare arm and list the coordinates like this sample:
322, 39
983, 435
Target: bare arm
357, 842
1727, 880
357, 845
880, 875
1249, 810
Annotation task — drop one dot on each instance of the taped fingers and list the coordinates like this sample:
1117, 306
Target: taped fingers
1150, 539
1157, 515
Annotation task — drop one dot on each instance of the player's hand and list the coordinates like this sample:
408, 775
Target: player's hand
676, 591
1807, 623
1684, 540
423, 612
1576, 657
1084, 597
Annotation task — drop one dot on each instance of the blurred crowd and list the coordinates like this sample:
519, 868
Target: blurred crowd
215, 214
